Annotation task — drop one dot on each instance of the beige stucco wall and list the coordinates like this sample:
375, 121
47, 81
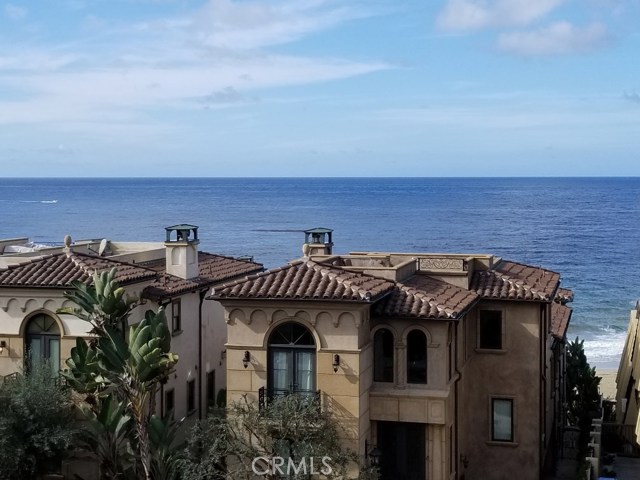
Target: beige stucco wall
337, 329
350, 393
628, 408
513, 372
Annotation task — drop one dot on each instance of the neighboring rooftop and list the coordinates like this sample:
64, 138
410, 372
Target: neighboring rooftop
307, 281
213, 269
560, 318
425, 297
61, 269
516, 281
417, 286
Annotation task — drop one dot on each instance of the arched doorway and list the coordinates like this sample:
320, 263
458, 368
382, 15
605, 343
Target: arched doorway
292, 360
42, 341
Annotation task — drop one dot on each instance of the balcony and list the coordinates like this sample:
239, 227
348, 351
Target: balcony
266, 397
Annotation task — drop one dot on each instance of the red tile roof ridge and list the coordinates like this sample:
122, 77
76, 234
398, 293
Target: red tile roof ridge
528, 265
75, 258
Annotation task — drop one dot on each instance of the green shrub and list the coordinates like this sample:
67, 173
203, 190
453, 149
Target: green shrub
36, 424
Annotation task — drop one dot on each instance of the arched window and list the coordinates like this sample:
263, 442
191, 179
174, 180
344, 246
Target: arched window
292, 360
383, 356
42, 341
416, 357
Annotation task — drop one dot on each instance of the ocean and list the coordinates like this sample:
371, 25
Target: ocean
588, 229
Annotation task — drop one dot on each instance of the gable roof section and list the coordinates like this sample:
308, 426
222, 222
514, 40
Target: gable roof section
560, 318
564, 296
213, 269
426, 297
307, 281
516, 281
61, 269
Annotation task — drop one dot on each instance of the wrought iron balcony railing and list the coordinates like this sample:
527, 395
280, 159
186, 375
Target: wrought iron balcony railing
267, 396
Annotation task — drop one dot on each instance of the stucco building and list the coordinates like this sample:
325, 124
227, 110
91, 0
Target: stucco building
172, 274
628, 384
451, 366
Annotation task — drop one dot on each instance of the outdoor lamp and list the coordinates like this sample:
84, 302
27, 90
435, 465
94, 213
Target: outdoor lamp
3, 345
336, 362
373, 455
246, 359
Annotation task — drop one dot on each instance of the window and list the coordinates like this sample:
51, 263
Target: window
176, 320
292, 360
490, 336
383, 356
191, 395
169, 402
42, 342
211, 388
502, 419
416, 357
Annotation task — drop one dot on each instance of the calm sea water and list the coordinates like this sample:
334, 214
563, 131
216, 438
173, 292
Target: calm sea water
586, 228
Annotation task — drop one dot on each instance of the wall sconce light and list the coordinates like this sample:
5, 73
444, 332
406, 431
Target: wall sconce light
336, 362
464, 461
246, 359
372, 453
3, 345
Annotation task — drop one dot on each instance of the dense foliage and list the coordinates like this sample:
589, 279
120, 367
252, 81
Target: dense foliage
118, 381
226, 444
583, 398
36, 424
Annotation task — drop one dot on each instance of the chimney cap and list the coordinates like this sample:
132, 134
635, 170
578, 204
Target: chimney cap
181, 226
319, 230
184, 233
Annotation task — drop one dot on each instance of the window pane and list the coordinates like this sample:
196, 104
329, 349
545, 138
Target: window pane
416, 357
491, 329
35, 349
304, 371
383, 356
54, 354
280, 372
502, 420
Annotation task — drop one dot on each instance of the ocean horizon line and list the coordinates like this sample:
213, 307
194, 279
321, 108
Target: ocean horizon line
347, 177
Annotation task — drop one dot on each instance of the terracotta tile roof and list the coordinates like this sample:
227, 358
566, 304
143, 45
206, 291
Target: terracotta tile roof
307, 281
564, 296
516, 281
426, 297
59, 270
560, 317
213, 269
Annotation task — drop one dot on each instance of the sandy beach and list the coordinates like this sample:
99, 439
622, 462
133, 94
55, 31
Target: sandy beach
608, 383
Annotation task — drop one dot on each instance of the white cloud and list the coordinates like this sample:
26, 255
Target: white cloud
560, 38
461, 15
249, 25
15, 12
120, 71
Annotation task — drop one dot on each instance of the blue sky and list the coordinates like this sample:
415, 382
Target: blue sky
319, 88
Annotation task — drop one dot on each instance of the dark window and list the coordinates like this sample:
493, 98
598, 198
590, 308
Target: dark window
490, 329
191, 395
169, 402
502, 419
292, 360
43, 342
416, 357
383, 347
211, 388
176, 319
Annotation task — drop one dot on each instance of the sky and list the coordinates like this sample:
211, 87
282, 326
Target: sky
224, 88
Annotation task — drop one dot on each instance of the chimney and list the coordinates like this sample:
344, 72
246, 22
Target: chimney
317, 241
181, 250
